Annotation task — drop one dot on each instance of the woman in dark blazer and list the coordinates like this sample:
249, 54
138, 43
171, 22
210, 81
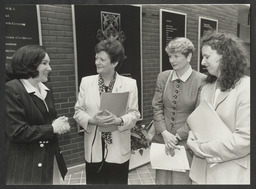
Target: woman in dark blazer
31, 140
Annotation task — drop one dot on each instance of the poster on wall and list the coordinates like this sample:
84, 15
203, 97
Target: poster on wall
205, 24
93, 23
22, 27
172, 24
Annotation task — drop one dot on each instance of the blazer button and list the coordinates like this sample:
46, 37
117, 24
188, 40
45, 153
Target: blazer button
39, 164
41, 145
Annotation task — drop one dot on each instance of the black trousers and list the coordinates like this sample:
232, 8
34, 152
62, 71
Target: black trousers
106, 173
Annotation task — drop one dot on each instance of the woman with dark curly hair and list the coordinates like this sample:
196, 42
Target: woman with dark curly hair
32, 151
225, 160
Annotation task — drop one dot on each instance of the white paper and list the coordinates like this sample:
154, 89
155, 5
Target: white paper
160, 160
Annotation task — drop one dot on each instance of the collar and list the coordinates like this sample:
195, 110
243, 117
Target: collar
184, 77
31, 89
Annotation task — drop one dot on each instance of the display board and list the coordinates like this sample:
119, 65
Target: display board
22, 27
205, 24
93, 23
172, 25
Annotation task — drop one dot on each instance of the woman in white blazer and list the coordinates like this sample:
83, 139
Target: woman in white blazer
225, 160
107, 154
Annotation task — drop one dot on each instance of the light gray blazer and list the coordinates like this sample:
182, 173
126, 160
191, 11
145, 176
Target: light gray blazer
231, 154
88, 104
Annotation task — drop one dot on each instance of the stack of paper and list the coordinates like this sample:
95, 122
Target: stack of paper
160, 160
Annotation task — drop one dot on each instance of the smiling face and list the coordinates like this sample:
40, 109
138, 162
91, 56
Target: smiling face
211, 60
179, 61
44, 69
103, 64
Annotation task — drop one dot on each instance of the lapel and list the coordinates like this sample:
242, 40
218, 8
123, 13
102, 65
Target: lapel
211, 96
39, 103
118, 84
222, 96
95, 90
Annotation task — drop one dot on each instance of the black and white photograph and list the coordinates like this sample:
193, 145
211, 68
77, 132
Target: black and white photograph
126, 94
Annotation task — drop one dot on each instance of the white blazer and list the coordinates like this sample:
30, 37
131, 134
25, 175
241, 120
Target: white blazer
88, 104
231, 154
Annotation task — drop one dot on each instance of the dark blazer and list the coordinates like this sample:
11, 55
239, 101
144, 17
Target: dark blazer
30, 141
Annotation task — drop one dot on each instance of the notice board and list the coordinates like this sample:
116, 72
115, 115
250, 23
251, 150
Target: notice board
22, 27
92, 23
205, 24
172, 25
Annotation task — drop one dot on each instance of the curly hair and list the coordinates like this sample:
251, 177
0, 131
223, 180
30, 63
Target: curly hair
234, 58
25, 61
180, 44
114, 49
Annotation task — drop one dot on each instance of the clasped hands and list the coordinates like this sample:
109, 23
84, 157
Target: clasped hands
61, 125
105, 118
171, 142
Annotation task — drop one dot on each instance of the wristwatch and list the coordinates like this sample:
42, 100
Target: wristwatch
122, 122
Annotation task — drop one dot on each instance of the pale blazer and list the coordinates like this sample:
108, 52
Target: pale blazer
88, 104
231, 154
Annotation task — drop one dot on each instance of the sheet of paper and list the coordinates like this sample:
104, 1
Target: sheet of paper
160, 160
116, 103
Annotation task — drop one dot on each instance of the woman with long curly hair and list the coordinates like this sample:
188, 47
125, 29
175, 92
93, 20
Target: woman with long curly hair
225, 160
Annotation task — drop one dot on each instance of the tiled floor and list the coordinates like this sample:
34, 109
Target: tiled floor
143, 175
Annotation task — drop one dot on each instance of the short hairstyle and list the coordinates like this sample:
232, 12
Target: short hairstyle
25, 61
113, 48
234, 58
180, 44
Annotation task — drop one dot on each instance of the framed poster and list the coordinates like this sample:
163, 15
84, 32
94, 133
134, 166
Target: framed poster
205, 24
172, 24
22, 27
93, 23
